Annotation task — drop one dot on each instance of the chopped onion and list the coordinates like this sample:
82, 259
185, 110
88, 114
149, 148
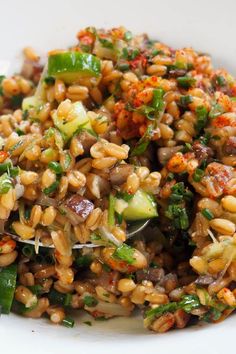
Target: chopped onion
46, 201
19, 188
108, 236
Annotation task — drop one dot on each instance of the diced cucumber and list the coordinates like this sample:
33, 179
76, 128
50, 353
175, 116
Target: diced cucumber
31, 102
68, 128
141, 206
70, 66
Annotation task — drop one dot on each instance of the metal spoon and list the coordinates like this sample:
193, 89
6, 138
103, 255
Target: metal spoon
133, 229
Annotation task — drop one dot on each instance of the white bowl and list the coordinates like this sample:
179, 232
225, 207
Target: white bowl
208, 26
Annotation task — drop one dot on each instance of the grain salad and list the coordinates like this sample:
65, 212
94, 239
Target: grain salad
116, 129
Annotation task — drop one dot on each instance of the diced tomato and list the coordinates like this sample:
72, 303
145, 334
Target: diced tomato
3, 156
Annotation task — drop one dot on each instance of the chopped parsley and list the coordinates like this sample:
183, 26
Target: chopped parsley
90, 301
124, 253
142, 145
83, 261
106, 43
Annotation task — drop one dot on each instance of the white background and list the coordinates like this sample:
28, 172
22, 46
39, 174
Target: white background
209, 26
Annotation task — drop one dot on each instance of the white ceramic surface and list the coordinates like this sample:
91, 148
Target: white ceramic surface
207, 25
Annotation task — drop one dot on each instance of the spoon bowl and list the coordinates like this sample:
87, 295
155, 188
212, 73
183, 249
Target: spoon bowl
133, 229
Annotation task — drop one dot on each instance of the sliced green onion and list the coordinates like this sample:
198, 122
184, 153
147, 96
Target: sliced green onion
186, 81
111, 210
68, 322
183, 219
123, 67
207, 213
56, 167
184, 101
51, 188
198, 174
202, 115
67, 301
36, 289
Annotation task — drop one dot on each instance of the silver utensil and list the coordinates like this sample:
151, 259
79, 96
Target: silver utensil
133, 229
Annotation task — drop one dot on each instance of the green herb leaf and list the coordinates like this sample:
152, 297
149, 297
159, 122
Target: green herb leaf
212, 315
90, 301
142, 145
106, 43
83, 261
160, 310
125, 253
189, 303
36, 289
147, 111
179, 216
198, 174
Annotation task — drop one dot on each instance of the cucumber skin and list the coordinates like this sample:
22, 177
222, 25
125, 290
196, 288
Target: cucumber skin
142, 206
7, 287
73, 64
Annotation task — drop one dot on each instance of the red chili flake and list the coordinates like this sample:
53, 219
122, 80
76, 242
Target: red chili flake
3, 156
86, 39
137, 61
137, 102
223, 121
233, 90
154, 78
97, 314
